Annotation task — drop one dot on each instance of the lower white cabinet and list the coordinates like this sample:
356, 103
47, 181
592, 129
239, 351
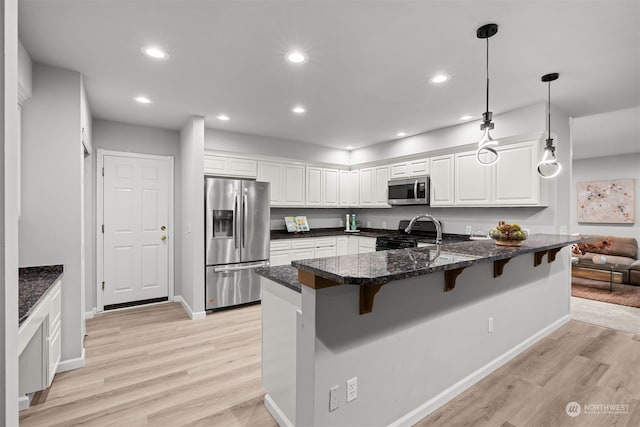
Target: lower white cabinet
283, 251
342, 245
366, 244
39, 343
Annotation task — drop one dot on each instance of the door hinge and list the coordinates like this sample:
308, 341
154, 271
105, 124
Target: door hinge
103, 286
102, 228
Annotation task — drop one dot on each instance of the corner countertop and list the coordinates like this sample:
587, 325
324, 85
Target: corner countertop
285, 275
33, 283
378, 268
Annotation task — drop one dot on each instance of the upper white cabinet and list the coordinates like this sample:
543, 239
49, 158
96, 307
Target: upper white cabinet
322, 187
354, 188
229, 166
409, 169
512, 181
287, 183
472, 180
442, 176
515, 180
373, 186
344, 196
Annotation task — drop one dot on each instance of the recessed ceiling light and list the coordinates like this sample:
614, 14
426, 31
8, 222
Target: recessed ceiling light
155, 52
296, 57
299, 109
466, 117
348, 147
439, 78
223, 117
142, 100
401, 134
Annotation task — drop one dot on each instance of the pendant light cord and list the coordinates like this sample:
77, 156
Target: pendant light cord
487, 109
549, 112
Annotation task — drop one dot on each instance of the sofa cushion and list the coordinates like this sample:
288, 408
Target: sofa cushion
611, 259
610, 245
635, 265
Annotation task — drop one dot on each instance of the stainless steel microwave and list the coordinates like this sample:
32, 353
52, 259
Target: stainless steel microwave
409, 191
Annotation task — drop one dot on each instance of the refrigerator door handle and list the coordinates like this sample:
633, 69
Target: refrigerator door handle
235, 220
223, 269
245, 201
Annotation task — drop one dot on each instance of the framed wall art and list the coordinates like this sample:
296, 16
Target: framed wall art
606, 202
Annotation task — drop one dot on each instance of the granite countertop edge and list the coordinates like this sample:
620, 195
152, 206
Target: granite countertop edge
285, 275
33, 284
480, 251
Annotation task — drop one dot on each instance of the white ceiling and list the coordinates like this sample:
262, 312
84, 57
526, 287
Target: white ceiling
369, 61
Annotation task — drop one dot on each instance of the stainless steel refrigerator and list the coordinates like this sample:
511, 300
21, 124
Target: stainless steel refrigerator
237, 240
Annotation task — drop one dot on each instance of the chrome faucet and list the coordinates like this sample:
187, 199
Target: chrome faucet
435, 222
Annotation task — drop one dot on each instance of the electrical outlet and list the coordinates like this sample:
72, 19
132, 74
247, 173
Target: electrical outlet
490, 325
352, 389
333, 398
467, 230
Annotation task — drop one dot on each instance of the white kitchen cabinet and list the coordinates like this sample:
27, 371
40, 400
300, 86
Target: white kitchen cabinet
354, 189
515, 181
229, 166
302, 248
39, 343
442, 180
314, 186
353, 245
287, 183
330, 190
322, 187
408, 169
344, 196
280, 252
472, 181
342, 245
373, 186
366, 244
273, 174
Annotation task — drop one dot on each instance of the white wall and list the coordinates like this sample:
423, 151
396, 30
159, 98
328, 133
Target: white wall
50, 224
191, 256
216, 139
9, 159
604, 168
130, 138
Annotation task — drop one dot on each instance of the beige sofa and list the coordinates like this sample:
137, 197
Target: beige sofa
621, 254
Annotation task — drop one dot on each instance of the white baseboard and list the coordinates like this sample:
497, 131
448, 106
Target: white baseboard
445, 396
71, 364
90, 314
276, 413
193, 315
24, 402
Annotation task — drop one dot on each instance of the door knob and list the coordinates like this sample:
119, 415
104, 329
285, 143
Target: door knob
163, 238
163, 228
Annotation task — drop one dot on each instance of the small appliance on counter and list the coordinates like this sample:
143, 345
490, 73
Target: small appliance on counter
237, 221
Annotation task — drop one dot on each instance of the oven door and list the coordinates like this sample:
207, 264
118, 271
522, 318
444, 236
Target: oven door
409, 191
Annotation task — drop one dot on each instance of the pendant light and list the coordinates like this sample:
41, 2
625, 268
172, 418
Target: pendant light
486, 154
549, 166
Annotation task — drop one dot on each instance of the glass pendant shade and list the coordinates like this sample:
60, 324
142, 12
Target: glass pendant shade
549, 167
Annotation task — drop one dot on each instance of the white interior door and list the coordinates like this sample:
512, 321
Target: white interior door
136, 193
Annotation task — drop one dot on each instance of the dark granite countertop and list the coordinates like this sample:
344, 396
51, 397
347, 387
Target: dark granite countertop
33, 283
286, 275
385, 266
328, 232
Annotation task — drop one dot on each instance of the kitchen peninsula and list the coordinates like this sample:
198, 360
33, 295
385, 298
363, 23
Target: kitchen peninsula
414, 327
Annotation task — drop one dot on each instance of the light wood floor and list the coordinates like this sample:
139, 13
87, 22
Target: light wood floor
155, 366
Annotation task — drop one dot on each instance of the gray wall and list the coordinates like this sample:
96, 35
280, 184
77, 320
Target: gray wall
9, 161
130, 138
215, 139
604, 168
50, 224
192, 204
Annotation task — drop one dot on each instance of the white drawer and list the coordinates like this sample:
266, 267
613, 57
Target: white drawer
324, 242
303, 243
280, 245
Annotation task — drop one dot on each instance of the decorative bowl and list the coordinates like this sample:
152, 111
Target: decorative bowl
508, 234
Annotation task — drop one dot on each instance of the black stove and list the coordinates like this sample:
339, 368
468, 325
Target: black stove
422, 232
